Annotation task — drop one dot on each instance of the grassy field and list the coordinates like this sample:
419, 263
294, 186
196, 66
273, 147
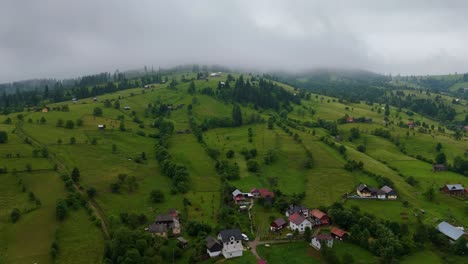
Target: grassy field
295, 252
324, 184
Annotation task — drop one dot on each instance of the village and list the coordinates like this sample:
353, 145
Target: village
298, 222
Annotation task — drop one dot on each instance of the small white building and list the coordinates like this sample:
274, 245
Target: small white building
232, 243
297, 222
213, 247
317, 241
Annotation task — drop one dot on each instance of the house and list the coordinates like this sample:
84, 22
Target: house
74, 100
350, 120
363, 191
263, 193
278, 224
45, 109
238, 196
213, 247
465, 128
163, 223
317, 241
232, 243
411, 124
319, 217
262, 261
298, 222
389, 192
182, 242
453, 189
126, 107
157, 229
173, 212
95, 99
378, 193
339, 233
101, 127
301, 210
449, 230
439, 167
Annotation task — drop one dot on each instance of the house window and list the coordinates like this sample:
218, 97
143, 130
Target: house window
232, 242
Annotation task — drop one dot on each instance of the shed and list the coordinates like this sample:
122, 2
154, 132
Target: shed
182, 242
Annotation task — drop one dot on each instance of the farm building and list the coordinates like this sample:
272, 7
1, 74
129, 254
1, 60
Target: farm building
278, 224
319, 218
263, 193
389, 192
450, 231
453, 189
439, 167
232, 242
45, 109
339, 233
163, 223
241, 197
126, 107
301, 210
101, 127
317, 241
182, 242
363, 191
299, 223
213, 247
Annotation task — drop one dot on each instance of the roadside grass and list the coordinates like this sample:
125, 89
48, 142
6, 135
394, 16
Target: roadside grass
293, 252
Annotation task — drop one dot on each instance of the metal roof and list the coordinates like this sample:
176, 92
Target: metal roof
450, 231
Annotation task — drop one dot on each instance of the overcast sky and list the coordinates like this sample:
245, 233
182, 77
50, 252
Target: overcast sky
60, 38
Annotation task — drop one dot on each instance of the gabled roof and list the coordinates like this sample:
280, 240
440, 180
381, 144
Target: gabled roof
182, 240
450, 231
266, 193
228, 233
296, 209
321, 237
157, 228
338, 232
236, 192
296, 219
377, 191
317, 213
362, 187
279, 222
386, 189
212, 244
164, 218
455, 187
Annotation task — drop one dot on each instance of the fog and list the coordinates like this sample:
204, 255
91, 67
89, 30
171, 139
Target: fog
59, 39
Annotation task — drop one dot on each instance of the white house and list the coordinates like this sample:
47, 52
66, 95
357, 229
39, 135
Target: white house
299, 223
213, 247
232, 242
317, 241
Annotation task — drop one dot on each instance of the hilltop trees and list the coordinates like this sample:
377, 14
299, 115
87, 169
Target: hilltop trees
236, 115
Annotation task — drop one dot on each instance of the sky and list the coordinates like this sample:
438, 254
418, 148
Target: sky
64, 38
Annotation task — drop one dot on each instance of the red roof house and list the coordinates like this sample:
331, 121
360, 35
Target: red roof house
339, 233
278, 224
320, 218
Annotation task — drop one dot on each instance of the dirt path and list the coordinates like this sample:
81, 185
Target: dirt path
62, 168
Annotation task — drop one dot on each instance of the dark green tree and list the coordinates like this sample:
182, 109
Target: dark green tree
15, 215
75, 174
191, 89
61, 210
441, 158
156, 196
236, 115
97, 111
3, 137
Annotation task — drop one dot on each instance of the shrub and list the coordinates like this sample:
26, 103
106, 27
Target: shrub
15, 215
253, 166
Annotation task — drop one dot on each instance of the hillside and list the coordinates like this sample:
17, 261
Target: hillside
193, 140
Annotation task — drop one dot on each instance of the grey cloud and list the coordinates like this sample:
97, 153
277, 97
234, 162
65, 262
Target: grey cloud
57, 38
